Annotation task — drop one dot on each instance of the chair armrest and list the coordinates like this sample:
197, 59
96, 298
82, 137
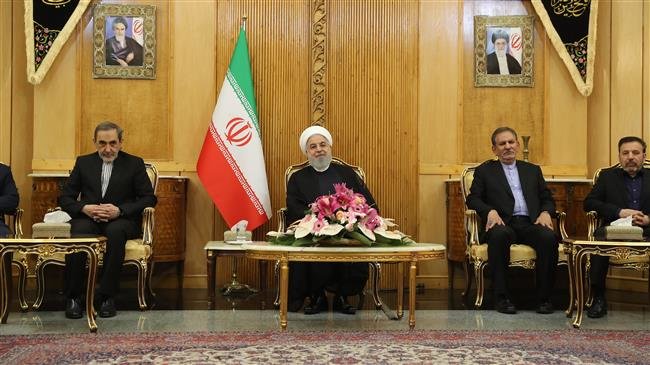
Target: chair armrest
18, 223
561, 224
148, 225
472, 227
282, 220
593, 222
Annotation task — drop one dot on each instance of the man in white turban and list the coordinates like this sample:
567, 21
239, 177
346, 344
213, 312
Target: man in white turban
309, 279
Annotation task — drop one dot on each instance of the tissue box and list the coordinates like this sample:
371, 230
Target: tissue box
231, 236
51, 230
619, 233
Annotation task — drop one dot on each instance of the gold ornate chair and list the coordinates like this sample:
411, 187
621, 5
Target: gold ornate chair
521, 255
375, 267
139, 253
636, 262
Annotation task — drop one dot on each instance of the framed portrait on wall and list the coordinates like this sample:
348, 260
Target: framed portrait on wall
503, 51
124, 41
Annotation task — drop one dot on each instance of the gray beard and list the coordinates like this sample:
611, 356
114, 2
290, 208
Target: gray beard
320, 164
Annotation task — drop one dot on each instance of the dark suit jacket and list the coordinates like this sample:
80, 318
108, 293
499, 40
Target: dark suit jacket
302, 189
493, 64
8, 191
490, 190
609, 195
8, 197
129, 187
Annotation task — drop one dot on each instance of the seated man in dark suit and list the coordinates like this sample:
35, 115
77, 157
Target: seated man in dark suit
105, 195
311, 279
620, 192
8, 198
512, 199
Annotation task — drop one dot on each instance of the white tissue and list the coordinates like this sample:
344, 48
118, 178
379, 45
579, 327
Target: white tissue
239, 226
622, 222
58, 216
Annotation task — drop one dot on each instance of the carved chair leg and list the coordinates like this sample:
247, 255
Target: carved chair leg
143, 274
478, 272
22, 280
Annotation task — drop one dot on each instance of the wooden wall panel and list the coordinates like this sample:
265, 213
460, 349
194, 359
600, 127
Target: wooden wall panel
627, 71
598, 122
486, 108
373, 99
141, 107
6, 64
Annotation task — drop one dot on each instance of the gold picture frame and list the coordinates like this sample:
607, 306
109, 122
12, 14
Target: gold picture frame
124, 41
503, 51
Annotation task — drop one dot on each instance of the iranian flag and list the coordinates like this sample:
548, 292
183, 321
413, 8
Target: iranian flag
231, 163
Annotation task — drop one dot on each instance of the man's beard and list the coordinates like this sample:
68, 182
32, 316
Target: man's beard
120, 39
320, 163
501, 52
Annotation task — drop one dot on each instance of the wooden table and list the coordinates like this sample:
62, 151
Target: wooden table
577, 253
45, 247
401, 254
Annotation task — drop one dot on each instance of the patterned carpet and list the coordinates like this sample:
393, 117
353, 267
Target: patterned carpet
568, 346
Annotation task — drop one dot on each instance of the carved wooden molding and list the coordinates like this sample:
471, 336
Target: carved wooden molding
319, 62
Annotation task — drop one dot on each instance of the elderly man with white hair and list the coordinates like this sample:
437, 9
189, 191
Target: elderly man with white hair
311, 279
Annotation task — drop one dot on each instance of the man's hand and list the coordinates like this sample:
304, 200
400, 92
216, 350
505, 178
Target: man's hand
545, 220
641, 219
101, 212
493, 219
624, 213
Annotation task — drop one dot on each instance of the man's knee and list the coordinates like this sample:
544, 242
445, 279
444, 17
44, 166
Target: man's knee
83, 226
120, 229
501, 235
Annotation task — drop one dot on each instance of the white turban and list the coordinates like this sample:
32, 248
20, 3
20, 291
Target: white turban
310, 131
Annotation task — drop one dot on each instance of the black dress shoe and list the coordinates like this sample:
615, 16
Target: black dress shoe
107, 309
316, 305
294, 305
598, 308
545, 307
73, 308
504, 305
341, 305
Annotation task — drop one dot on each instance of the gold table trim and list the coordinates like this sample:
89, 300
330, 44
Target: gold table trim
577, 252
93, 247
402, 254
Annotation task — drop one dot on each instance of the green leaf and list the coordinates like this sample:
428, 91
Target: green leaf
359, 237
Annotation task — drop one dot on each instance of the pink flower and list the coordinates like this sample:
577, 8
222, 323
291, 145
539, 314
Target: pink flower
372, 220
318, 225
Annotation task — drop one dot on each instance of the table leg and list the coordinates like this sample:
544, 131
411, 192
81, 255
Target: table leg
579, 262
400, 290
284, 291
90, 288
212, 272
4, 292
412, 290
572, 283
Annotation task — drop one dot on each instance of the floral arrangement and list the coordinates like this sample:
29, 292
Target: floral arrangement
341, 219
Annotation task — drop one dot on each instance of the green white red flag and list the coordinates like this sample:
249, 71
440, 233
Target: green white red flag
231, 164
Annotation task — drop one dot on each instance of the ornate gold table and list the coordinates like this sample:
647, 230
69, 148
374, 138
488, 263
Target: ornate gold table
45, 247
577, 253
410, 254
